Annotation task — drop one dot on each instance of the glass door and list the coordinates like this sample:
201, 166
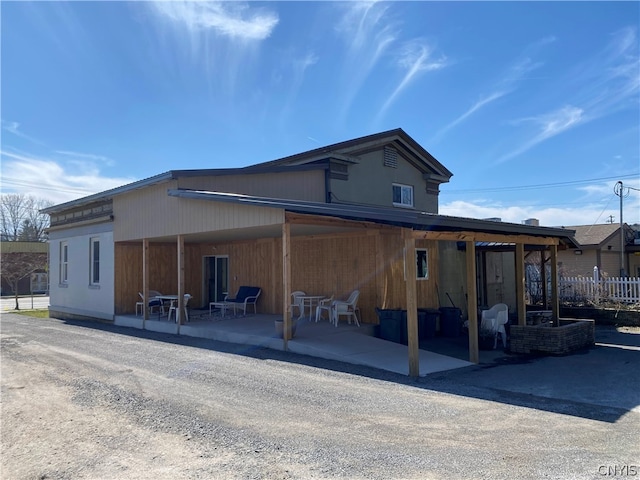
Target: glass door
216, 277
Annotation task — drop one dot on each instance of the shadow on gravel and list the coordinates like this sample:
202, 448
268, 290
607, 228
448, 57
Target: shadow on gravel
598, 383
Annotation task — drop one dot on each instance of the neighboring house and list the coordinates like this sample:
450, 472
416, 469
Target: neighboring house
600, 246
328, 221
32, 253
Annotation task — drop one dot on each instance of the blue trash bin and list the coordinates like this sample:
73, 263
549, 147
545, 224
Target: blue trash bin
427, 320
391, 325
450, 321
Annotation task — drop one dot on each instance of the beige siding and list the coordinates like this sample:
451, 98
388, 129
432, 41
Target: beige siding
370, 183
571, 265
634, 264
306, 185
151, 213
608, 262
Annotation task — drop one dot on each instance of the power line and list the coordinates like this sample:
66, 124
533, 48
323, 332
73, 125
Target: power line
541, 185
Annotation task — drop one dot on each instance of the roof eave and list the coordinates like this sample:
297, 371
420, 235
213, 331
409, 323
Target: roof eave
109, 194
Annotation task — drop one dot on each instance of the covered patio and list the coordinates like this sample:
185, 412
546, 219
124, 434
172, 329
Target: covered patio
323, 249
345, 343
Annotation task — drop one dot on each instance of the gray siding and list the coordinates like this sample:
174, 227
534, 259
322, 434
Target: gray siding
370, 182
305, 185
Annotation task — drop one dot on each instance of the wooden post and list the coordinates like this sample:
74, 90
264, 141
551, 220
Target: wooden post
275, 275
286, 282
555, 299
145, 281
180, 302
412, 303
472, 302
543, 279
520, 293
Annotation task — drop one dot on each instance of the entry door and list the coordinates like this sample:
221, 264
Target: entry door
217, 277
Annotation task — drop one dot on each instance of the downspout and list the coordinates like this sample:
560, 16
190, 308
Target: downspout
327, 184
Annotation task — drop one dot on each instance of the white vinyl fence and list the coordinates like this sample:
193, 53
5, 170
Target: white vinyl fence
597, 290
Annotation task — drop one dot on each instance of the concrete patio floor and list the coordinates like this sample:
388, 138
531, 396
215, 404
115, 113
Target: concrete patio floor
345, 343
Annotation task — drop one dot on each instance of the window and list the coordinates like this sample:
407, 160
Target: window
94, 274
422, 267
402, 195
64, 262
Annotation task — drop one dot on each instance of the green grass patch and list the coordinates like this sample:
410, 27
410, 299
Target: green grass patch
40, 313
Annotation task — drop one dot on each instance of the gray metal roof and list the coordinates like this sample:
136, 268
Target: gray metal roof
397, 136
389, 216
286, 164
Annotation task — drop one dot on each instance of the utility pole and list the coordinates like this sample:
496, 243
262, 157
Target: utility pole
618, 191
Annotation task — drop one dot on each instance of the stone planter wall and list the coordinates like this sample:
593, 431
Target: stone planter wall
570, 336
603, 316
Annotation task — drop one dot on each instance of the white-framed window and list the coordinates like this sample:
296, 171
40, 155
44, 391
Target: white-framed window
402, 195
422, 264
94, 261
64, 262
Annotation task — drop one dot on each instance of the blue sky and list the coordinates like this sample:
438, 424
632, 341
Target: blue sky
534, 107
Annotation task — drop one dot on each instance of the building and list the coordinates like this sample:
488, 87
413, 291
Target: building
30, 267
602, 246
360, 214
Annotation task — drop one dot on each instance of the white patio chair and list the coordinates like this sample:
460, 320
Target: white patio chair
494, 320
174, 307
346, 308
324, 305
296, 302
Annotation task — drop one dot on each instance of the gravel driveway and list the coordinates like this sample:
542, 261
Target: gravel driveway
94, 401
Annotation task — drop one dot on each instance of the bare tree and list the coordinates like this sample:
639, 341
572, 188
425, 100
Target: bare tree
21, 219
19, 265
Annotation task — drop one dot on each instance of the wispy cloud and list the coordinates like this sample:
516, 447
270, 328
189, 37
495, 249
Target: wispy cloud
295, 73
548, 125
368, 31
87, 157
14, 128
235, 20
473, 109
299, 67
55, 179
415, 57
218, 38
507, 82
287, 79
56, 175
607, 82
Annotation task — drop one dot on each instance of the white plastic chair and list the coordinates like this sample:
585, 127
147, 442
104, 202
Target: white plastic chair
140, 305
174, 308
296, 302
346, 308
324, 305
494, 320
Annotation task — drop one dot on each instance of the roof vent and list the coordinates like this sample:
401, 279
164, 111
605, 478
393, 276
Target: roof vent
390, 157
